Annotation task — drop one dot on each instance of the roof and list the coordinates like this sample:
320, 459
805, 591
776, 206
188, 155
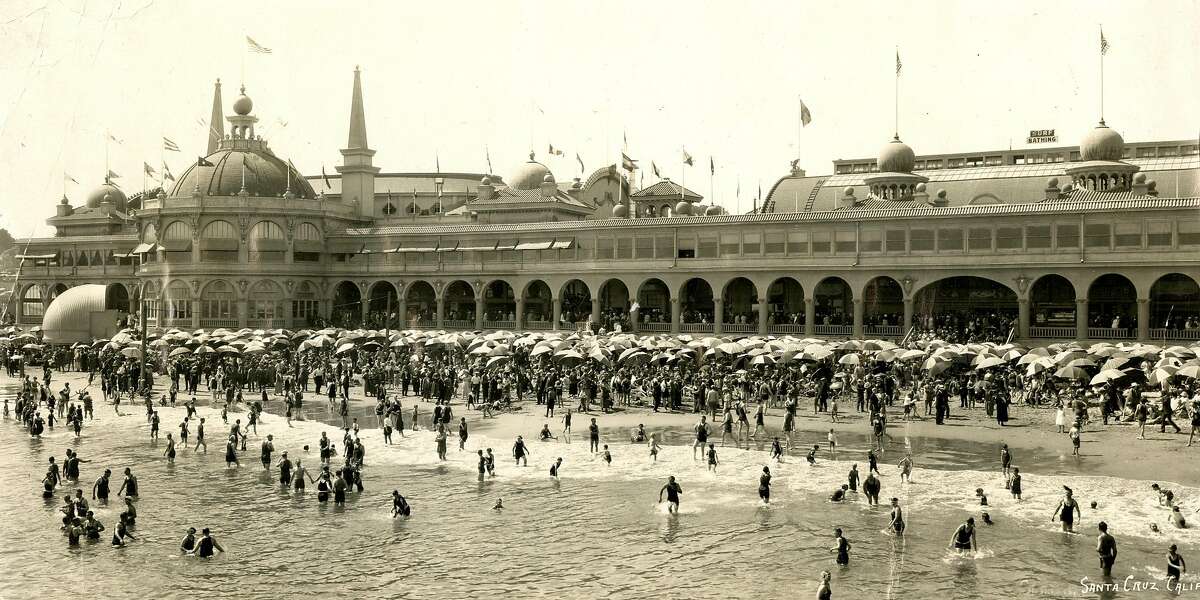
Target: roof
666, 189
915, 211
406, 183
514, 196
263, 174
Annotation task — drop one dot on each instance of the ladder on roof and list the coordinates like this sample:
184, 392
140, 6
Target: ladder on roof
812, 196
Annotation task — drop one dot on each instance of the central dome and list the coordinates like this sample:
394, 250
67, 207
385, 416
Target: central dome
529, 176
896, 157
266, 176
1102, 143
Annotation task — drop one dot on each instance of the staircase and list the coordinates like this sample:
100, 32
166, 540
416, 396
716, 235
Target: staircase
812, 196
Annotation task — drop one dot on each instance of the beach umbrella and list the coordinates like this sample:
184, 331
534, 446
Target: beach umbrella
1190, 371
989, 362
1116, 363
228, 350
1106, 376
1071, 373
499, 350
254, 349
568, 357
1081, 362
540, 350
481, 350
203, 350
179, 352
763, 359
1179, 352
1041, 363
1012, 355
1030, 358
132, 352
731, 348
912, 354
850, 359
497, 361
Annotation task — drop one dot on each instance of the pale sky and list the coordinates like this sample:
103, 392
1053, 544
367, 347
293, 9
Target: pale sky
448, 78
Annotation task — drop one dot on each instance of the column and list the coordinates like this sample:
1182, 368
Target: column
596, 313
242, 309
479, 306
441, 312
556, 315
857, 330
810, 317
908, 316
1023, 318
195, 313
1143, 322
718, 315
1081, 318
635, 316
676, 315
763, 313
520, 322
364, 306
401, 321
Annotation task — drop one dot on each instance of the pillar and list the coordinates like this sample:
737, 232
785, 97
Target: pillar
364, 305
1081, 318
402, 312
596, 313
908, 316
635, 315
195, 313
762, 316
519, 324
441, 311
556, 314
810, 317
857, 330
718, 315
1143, 322
676, 315
242, 310
479, 306
1023, 318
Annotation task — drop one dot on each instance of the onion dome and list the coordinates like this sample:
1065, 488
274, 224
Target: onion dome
529, 175
896, 157
1052, 182
243, 105
683, 209
848, 191
1102, 143
107, 192
621, 211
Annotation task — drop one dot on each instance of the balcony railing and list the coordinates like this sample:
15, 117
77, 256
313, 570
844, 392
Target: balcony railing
537, 325
214, 323
1066, 333
1175, 334
1108, 333
836, 330
274, 323
786, 328
499, 324
696, 327
459, 324
883, 330
654, 327
739, 327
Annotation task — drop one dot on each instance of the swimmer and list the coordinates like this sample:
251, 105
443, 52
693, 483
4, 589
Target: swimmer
638, 436
1005, 459
1067, 508
812, 455
852, 478
1177, 518
1176, 566
491, 463
462, 434
701, 430
520, 452
963, 539
607, 456
1014, 484
129, 487
905, 465
545, 435
871, 487
400, 506
673, 490
1106, 547
777, 450
555, 467
188, 545
824, 592
832, 437
712, 458
764, 485
207, 544
170, 451
987, 520
982, 497
841, 546
839, 494
1165, 497
499, 504
268, 446
897, 522
100, 488
654, 446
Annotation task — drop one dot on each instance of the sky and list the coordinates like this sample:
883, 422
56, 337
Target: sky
444, 82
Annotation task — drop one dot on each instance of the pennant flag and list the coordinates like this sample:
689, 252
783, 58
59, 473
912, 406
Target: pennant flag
169, 145
256, 47
437, 163
167, 176
687, 158
898, 65
73, 180
148, 169
326, 178
555, 152
628, 163
201, 162
625, 140
111, 175
712, 166
488, 155
1103, 43
805, 116
581, 167
114, 138
654, 168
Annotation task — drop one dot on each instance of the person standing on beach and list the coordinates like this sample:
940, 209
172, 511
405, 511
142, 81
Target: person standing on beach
594, 436
701, 430
567, 426
1014, 483
1106, 547
1005, 459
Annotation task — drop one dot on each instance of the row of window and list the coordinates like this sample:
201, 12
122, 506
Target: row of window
1029, 158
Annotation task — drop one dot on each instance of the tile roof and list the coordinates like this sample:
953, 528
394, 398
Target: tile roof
666, 189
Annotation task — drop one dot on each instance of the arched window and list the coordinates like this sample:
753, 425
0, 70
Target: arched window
217, 301
177, 305
31, 302
219, 242
267, 243
307, 246
266, 303
390, 209
306, 308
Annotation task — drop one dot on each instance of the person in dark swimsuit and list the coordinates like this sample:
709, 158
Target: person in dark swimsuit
400, 506
897, 524
1106, 547
1176, 566
555, 467
673, 490
1067, 508
764, 486
1014, 485
188, 545
852, 478
963, 539
842, 547
207, 544
129, 487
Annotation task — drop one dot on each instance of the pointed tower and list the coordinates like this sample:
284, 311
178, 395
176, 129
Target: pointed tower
216, 122
358, 172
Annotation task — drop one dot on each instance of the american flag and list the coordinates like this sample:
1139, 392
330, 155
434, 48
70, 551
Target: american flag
1103, 43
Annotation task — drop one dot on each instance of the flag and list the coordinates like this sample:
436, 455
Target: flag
488, 155
148, 169
1103, 43
581, 167
256, 47
654, 168
326, 178
111, 175
625, 140
554, 152
628, 163
167, 176
169, 145
687, 158
437, 162
898, 65
805, 116
712, 166
73, 180
200, 162
114, 138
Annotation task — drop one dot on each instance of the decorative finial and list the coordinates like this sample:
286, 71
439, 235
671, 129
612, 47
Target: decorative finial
243, 88
1102, 123
531, 156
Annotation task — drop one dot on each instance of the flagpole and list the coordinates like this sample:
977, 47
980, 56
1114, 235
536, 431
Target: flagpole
896, 103
799, 126
1102, 74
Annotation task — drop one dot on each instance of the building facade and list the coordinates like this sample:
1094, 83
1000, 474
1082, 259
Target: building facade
1087, 247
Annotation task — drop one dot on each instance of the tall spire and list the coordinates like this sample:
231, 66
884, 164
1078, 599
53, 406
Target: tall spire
216, 122
358, 119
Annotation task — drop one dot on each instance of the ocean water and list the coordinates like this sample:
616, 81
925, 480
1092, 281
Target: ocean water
598, 531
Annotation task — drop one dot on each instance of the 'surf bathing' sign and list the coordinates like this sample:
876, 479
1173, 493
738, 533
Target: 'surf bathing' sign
1041, 136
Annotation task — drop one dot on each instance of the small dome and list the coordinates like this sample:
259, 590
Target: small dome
1151, 185
848, 191
1068, 188
1102, 143
107, 193
1139, 178
921, 187
243, 105
1052, 183
529, 176
485, 181
549, 178
68, 319
714, 210
941, 194
896, 157
621, 211
683, 209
